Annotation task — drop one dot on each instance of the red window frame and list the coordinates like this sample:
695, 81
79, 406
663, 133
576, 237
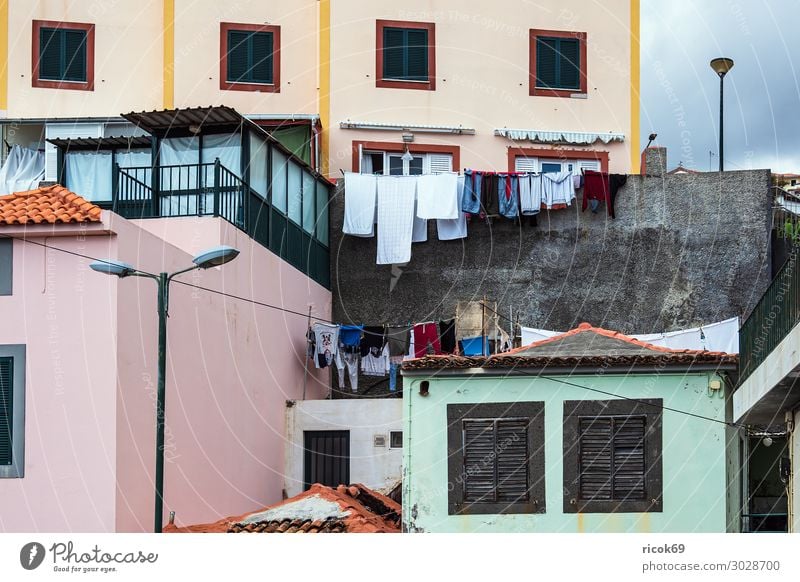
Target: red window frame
88, 85
533, 90
414, 148
514, 153
224, 84
389, 83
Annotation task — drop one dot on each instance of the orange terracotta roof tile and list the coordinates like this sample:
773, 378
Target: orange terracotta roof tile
344, 509
48, 205
585, 345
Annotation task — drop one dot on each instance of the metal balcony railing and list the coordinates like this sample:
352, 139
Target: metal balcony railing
776, 313
211, 189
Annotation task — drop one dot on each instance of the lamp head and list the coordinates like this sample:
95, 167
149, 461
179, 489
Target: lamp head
721, 65
215, 257
110, 267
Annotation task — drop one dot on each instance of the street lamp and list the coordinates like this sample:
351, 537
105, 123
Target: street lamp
721, 66
211, 258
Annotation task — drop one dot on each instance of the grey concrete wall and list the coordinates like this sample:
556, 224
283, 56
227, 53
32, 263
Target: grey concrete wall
684, 250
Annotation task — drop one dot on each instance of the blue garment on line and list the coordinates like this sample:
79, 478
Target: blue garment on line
509, 206
471, 346
350, 335
471, 197
393, 377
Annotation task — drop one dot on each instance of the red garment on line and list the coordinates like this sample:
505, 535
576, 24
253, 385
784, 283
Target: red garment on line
426, 334
596, 187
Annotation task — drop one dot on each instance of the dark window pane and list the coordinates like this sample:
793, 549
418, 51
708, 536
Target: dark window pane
237, 55
417, 55
6, 266
6, 409
62, 54
546, 57
74, 55
394, 40
395, 166
569, 64
415, 167
405, 54
261, 62
49, 54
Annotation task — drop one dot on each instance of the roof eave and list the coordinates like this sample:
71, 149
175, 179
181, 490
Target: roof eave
591, 370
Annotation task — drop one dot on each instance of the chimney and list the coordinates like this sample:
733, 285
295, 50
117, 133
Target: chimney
654, 161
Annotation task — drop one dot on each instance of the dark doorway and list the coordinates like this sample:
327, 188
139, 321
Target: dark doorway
767, 498
327, 457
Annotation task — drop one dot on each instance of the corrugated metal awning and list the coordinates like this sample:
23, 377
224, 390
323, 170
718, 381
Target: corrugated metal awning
193, 120
560, 137
101, 143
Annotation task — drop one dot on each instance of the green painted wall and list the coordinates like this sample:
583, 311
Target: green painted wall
695, 453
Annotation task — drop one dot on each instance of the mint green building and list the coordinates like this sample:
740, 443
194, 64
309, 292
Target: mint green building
588, 431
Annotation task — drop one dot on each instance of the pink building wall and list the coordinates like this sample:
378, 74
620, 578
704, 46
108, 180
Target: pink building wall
64, 315
231, 367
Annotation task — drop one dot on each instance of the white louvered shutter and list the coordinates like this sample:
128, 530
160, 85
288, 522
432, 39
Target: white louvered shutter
441, 163
589, 165
523, 164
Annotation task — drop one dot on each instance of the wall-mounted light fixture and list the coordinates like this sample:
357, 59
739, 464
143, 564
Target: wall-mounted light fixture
424, 387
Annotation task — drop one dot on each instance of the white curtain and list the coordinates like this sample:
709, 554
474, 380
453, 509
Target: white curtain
179, 151
225, 146
88, 174
23, 170
133, 158
258, 164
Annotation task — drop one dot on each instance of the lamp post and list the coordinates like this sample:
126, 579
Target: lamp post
721, 66
205, 260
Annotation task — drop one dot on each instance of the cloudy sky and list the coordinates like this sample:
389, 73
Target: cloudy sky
680, 93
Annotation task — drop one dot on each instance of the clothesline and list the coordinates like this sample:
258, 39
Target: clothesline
401, 206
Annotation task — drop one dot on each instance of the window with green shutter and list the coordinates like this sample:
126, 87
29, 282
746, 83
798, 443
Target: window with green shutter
558, 63
495, 458
250, 57
63, 54
12, 411
405, 54
6, 410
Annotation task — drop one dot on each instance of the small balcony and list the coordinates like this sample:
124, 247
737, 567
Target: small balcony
208, 162
769, 362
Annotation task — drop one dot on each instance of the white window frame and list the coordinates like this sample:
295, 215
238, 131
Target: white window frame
573, 165
426, 160
16, 470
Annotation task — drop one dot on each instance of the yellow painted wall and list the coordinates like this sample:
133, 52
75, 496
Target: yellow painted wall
482, 66
482, 53
197, 50
128, 57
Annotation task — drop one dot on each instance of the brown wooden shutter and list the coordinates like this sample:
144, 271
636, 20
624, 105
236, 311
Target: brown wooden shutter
611, 458
594, 458
479, 474
629, 466
512, 460
495, 460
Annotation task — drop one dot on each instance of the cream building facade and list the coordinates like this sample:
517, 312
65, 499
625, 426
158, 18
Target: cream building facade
476, 99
